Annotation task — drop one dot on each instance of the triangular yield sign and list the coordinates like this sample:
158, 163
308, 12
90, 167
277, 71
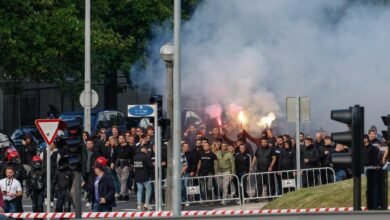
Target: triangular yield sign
48, 128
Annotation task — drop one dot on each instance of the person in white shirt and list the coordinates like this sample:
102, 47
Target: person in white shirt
11, 189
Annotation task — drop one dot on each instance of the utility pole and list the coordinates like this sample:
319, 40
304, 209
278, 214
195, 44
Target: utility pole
176, 137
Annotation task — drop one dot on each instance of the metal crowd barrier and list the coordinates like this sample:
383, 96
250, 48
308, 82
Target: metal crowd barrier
268, 185
206, 190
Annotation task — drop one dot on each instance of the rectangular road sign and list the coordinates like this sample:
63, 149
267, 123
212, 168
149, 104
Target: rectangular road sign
140, 111
304, 109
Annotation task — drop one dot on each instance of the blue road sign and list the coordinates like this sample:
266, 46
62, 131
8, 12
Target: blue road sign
140, 111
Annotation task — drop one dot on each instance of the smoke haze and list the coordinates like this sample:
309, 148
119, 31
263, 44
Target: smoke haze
255, 53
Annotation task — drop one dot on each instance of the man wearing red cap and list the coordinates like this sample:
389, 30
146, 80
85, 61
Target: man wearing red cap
102, 189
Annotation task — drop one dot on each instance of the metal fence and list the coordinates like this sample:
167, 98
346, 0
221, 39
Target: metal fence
206, 190
267, 185
229, 188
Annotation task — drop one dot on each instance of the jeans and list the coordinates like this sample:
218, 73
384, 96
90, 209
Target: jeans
340, 175
140, 189
37, 201
101, 208
184, 184
64, 202
10, 207
223, 183
117, 183
123, 175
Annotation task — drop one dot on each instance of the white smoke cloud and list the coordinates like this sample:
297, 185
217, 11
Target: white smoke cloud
257, 53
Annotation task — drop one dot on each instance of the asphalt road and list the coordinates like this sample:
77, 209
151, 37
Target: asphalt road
131, 205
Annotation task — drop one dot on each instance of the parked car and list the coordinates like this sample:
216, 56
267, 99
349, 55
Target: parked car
5, 141
19, 133
100, 119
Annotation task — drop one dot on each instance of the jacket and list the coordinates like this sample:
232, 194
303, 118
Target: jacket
27, 152
242, 162
94, 156
287, 159
225, 162
143, 167
106, 190
312, 154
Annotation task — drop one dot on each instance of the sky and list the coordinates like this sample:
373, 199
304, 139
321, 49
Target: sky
255, 53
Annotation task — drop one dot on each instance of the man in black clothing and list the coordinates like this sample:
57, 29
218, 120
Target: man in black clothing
62, 184
123, 160
242, 162
88, 160
207, 165
28, 149
279, 145
325, 159
310, 156
100, 141
371, 153
194, 154
287, 161
143, 169
265, 160
319, 141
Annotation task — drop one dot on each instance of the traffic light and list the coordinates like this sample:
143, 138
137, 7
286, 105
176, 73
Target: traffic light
354, 119
74, 145
164, 123
157, 99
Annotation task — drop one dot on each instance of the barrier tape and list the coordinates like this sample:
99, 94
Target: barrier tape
155, 214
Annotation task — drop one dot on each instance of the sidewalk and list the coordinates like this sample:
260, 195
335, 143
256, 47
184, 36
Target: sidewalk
248, 206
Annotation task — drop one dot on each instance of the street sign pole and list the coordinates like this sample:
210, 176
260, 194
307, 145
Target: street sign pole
297, 111
157, 162
298, 144
48, 129
48, 179
151, 111
87, 107
176, 134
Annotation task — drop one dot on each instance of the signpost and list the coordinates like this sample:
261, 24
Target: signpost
94, 98
48, 129
151, 111
298, 110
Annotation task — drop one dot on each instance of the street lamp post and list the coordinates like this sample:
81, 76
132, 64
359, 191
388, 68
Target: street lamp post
166, 53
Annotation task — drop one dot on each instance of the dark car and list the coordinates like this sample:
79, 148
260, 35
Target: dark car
100, 119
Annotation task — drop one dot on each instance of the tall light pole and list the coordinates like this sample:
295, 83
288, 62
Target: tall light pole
166, 53
169, 51
88, 101
176, 136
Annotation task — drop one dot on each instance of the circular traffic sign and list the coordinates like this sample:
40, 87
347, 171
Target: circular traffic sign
94, 98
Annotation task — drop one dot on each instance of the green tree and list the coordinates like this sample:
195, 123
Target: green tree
43, 40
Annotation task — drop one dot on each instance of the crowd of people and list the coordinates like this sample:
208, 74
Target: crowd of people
115, 166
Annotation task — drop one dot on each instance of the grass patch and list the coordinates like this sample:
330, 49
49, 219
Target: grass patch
327, 196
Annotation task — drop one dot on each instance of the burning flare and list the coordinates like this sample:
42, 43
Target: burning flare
241, 118
267, 121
